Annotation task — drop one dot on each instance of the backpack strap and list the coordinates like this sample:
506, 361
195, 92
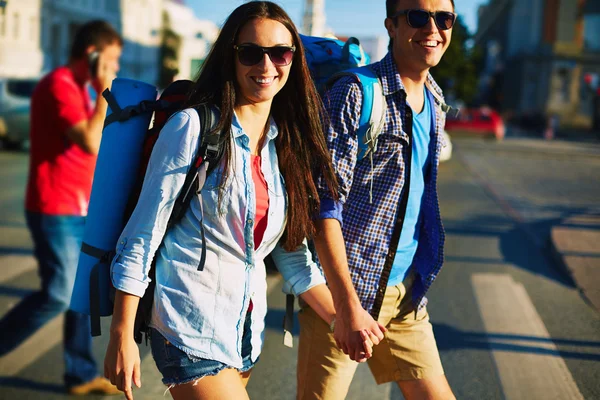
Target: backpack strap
209, 153
123, 114
372, 114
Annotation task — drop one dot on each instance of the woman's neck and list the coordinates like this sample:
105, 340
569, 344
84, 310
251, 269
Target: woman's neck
253, 118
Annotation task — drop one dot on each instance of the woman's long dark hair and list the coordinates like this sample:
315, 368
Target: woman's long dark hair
296, 109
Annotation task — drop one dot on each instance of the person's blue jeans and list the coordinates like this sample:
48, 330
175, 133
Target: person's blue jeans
57, 242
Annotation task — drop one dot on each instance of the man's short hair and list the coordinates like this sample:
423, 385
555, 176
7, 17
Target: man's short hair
390, 7
97, 33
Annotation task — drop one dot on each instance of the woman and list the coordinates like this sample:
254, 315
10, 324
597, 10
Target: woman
207, 326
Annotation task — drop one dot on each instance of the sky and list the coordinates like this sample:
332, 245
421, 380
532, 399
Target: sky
346, 17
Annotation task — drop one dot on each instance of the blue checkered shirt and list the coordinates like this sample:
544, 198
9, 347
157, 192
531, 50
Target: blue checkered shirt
367, 226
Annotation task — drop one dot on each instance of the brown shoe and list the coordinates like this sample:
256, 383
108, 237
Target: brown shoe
98, 385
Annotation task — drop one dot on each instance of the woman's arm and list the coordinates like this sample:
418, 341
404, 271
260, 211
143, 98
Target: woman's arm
169, 163
302, 277
122, 360
319, 299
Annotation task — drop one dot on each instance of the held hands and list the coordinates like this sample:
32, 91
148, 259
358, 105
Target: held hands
356, 332
122, 363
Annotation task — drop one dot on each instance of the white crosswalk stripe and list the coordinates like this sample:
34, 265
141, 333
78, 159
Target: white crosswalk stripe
506, 309
13, 265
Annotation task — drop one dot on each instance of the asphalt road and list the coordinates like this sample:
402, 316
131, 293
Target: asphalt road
509, 325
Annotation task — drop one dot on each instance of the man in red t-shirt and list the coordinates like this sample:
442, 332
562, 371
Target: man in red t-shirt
65, 135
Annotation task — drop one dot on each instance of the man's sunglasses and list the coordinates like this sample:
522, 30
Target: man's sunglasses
419, 18
251, 54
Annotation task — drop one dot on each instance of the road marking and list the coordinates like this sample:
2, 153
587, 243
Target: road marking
506, 309
44, 339
14, 265
33, 348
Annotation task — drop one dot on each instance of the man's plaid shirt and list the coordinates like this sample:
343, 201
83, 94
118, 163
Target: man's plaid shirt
367, 227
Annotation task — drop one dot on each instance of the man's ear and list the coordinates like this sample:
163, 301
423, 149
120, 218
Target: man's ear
390, 26
90, 49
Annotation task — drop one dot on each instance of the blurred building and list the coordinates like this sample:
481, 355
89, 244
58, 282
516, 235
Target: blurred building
20, 42
375, 46
188, 40
36, 35
313, 21
537, 53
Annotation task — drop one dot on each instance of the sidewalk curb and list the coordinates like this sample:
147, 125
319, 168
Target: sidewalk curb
567, 266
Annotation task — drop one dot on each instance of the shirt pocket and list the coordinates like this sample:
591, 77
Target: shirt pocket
216, 197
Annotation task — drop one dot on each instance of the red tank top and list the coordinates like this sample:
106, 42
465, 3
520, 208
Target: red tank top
262, 201
262, 205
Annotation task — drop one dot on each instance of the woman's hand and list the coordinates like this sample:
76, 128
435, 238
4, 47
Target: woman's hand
122, 363
122, 360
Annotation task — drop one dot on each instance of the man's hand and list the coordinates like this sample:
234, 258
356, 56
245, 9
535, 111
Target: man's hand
353, 327
105, 74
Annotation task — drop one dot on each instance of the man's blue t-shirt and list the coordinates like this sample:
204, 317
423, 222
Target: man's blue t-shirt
422, 125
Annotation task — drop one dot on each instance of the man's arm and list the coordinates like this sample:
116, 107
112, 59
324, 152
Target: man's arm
343, 106
88, 133
351, 317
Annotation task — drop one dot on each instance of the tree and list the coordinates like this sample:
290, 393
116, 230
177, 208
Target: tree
169, 52
457, 73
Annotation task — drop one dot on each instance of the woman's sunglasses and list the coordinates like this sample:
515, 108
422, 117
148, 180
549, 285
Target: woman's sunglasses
417, 19
251, 54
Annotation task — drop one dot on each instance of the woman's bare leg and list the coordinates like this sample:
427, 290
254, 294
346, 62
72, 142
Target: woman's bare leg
227, 384
245, 377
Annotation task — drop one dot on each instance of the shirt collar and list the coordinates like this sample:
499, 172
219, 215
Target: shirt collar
237, 130
392, 82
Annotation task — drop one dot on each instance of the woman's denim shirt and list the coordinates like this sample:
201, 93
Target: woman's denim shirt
203, 312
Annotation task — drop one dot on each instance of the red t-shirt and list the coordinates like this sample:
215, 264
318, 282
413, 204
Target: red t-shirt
262, 205
60, 172
262, 201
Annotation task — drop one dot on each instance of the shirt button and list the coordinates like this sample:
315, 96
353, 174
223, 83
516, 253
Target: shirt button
250, 221
249, 245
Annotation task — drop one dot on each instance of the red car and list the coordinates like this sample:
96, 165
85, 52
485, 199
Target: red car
482, 121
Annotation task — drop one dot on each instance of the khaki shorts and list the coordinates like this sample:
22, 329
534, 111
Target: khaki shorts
407, 352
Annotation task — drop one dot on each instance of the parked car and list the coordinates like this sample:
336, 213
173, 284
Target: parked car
446, 152
481, 121
15, 102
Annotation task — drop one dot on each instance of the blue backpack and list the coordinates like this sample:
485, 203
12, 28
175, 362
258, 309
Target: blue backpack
329, 60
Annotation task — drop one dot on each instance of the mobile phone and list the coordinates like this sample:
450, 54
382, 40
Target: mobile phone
93, 58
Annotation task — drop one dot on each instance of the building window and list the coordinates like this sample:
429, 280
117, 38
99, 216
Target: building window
591, 32
16, 26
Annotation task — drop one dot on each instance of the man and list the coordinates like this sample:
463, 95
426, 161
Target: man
65, 137
392, 237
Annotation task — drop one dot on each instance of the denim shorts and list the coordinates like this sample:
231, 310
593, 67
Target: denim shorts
178, 367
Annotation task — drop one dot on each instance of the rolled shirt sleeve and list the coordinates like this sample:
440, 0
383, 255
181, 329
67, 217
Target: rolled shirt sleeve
169, 163
299, 271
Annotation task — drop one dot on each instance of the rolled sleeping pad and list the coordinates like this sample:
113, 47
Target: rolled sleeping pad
114, 177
